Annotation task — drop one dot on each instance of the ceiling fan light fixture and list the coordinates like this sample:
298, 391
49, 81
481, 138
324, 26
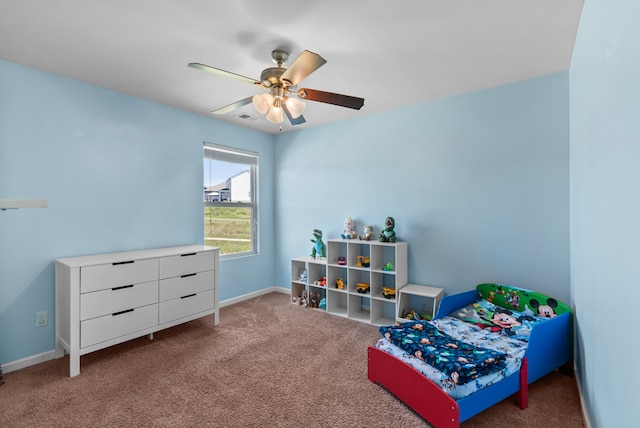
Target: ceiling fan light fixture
283, 97
262, 102
295, 106
275, 114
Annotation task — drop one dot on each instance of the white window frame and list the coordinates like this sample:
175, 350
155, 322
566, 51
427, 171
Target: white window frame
239, 156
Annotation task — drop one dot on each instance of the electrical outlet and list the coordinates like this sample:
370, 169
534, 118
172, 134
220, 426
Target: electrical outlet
42, 319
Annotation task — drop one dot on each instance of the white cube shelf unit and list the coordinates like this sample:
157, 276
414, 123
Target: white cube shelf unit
371, 306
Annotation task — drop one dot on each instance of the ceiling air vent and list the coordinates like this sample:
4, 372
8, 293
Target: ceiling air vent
245, 116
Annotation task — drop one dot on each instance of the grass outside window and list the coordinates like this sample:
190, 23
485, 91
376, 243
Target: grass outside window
228, 228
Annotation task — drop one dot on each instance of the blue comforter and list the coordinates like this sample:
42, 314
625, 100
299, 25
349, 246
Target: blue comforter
461, 361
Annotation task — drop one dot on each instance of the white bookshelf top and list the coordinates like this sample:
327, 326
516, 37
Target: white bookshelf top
423, 290
371, 242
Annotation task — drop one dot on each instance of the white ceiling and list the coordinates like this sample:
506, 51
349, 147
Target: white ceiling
391, 53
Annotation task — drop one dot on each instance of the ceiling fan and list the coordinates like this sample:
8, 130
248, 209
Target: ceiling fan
281, 83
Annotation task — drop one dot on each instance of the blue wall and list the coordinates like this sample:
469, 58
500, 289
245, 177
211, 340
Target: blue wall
605, 207
478, 185
119, 174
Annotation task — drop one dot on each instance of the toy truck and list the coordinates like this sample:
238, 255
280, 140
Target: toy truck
363, 261
362, 287
389, 292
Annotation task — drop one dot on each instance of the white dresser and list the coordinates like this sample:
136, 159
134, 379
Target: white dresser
105, 299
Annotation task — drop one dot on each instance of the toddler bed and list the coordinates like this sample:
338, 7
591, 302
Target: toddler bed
482, 346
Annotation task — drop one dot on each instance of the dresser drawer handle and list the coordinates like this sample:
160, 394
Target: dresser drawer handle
123, 263
187, 275
187, 296
121, 312
187, 254
122, 287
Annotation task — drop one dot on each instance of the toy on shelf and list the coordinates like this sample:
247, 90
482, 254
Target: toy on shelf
314, 299
388, 267
368, 233
342, 260
389, 292
302, 299
388, 234
322, 282
414, 316
322, 304
362, 287
319, 249
303, 275
363, 261
349, 229
339, 284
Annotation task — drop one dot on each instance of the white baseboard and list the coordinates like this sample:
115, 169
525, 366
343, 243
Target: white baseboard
585, 413
239, 299
29, 361
50, 355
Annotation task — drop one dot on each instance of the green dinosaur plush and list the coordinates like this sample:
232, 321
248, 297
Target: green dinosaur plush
318, 251
388, 234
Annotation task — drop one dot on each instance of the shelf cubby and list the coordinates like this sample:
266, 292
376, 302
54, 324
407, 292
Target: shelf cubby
382, 312
337, 302
358, 308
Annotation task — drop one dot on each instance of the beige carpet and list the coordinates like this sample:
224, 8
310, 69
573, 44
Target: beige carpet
268, 363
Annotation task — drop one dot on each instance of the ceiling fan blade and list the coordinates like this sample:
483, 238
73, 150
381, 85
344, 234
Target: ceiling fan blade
331, 98
222, 73
231, 107
304, 65
294, 121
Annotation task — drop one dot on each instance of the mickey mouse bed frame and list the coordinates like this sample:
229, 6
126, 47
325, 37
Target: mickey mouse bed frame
550, 347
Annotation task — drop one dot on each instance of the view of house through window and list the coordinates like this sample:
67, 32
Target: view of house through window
230, 183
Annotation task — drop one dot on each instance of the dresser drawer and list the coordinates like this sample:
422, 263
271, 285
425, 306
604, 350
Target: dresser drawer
184, 264
106, 302
179, 286
126, 272
112, 326
182, 307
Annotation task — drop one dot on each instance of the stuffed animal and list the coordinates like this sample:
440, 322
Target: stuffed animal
368, 233
302, 299
388, 234
349, 229
314, 300
318, 251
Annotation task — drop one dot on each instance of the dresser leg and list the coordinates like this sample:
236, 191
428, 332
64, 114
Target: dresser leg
74, 365
150, 336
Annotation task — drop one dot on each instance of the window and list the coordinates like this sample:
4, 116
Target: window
230, 198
